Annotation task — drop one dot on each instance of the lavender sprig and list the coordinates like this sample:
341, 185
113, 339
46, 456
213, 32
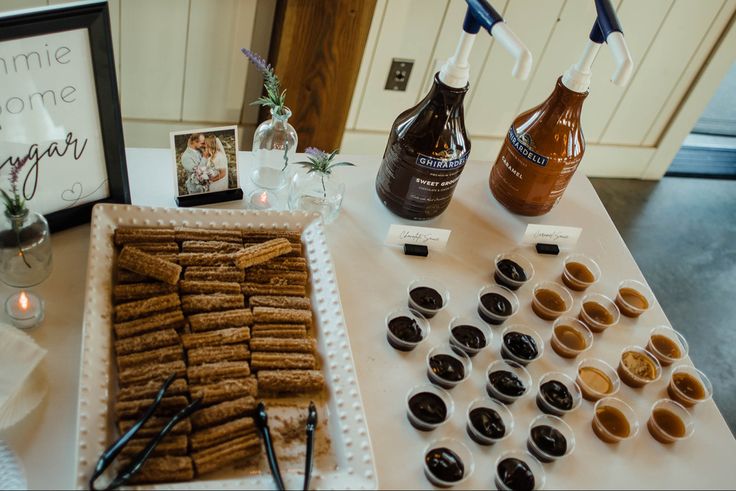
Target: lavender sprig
15, 205
321, 163
275, 97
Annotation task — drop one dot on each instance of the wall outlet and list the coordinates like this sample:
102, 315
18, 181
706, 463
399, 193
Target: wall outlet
398, 74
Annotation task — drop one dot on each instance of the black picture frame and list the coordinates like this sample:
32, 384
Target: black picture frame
95, 17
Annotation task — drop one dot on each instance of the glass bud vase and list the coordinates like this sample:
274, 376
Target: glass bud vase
317, 192
274, 146
25, 249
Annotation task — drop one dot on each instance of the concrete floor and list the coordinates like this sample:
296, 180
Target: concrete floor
682, 233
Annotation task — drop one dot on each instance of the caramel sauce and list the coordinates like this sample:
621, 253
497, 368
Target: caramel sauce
581, 275
595, 383
636, 369
550, 300
570, 337
664, 348
614, 421
598, 312
668, 426
689, 386
633, 304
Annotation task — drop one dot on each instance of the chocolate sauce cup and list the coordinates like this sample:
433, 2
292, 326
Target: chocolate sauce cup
416, 420
456, 342
491, 317
665, 359
531, 463
575, 283
628, 309
661, 433
554, 422
459, 449
604, 433
632, 379
402, 344
592, 393
546, 406
475, 434
458, 357
507, 354
435, 285
579, 327
606, 303
512, 283
543, 311
516, 369
676, 394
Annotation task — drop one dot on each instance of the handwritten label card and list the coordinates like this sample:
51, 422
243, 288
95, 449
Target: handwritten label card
433, 238
552, 234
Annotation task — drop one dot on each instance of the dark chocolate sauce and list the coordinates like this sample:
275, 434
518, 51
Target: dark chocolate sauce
515, 474
469, 336
556, 394
507, 383
487, 422
549, 440
496, 304
445, 464
521, 345
428, 407
446, 368
426, 297
406, 329
509, 271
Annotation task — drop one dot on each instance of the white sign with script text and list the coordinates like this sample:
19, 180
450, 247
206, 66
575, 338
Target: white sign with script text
433, 238
552, 234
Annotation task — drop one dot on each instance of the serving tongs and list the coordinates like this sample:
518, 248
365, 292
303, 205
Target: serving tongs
109, 455
311, 427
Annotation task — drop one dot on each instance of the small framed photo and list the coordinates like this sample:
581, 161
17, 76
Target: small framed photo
206, 165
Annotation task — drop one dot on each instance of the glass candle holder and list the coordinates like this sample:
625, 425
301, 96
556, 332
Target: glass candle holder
25, 309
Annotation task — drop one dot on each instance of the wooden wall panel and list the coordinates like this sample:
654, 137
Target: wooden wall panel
216, 70
153, 48
409, 30
497, 96
668, 57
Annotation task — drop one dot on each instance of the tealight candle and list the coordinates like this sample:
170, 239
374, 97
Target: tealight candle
260, 200
25, 309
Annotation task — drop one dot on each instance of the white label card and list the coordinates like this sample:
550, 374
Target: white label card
552, 234
433, 238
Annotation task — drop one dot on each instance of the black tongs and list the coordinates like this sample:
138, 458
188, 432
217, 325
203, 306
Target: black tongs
262, 424
109, 455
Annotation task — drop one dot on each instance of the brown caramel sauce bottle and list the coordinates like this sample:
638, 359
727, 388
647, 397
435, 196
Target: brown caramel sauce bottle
541, 152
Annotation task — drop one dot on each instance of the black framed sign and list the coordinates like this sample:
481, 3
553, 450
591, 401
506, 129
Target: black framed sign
59, 108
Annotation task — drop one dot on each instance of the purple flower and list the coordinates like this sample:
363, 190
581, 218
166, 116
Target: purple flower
257, 60
315, 152
15, 173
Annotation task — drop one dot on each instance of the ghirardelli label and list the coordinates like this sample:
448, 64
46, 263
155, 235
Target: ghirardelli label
441, 164
522, 145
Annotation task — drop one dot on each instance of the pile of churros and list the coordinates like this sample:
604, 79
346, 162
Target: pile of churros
227, 312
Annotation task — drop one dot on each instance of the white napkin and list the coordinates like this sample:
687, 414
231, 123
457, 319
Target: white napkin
22, 384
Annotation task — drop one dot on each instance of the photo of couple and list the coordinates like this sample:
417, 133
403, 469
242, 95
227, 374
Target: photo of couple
205, 160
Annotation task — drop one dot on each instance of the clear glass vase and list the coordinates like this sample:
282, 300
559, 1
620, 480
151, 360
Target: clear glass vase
274, 146
25, 249
317, 192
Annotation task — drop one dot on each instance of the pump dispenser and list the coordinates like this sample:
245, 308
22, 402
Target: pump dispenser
545, 144
428, 145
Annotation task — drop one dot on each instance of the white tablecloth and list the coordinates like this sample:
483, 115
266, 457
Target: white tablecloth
373, 279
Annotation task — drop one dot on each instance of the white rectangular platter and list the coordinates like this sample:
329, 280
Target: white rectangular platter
350, 464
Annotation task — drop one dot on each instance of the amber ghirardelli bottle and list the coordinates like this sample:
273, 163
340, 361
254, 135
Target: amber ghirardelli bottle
425, 154
542, 150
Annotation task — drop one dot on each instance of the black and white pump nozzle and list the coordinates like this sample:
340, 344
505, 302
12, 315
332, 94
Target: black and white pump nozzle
456, 71
606, 29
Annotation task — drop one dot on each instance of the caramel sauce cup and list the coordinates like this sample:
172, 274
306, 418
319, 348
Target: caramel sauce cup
628, 309
544, 312
534, 466
501, 410
559, 425
674, 336
605, 302
459, 449
661, 434
631, 379
679, 396
562, 349
602, 432
589, 393
511, 283
574, 283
